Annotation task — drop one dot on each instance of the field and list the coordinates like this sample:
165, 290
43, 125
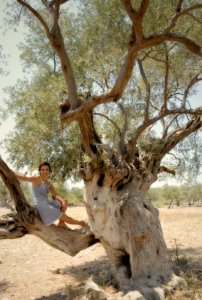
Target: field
32, 270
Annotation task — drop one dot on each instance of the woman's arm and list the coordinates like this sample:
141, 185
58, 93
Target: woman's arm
55, 196
32, 179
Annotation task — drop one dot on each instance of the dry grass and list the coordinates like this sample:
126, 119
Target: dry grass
182, 228
30, 269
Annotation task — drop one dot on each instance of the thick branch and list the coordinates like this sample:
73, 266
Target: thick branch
26, 212
36, 14
160, 38
55, 37
136, 18
69, 241
178, 135
57, 43
26, 220
132, 142
111, 96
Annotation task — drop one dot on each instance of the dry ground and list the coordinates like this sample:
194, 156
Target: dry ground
30, 269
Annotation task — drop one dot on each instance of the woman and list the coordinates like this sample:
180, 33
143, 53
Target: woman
49, 210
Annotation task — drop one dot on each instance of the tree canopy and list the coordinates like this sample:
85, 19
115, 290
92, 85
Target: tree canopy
124, 73
156, 101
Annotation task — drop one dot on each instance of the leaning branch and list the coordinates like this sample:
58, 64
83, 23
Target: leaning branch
155, 40
178, 135
110, 96
26, 220
66, 240
36, 14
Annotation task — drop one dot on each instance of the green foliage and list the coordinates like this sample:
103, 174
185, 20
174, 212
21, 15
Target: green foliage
75, 196
176, 195
39, 135
3, 58
96, 38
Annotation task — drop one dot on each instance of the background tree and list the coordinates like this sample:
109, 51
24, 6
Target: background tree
145, 96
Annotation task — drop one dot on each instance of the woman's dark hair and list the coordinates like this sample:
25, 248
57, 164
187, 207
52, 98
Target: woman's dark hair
45, 163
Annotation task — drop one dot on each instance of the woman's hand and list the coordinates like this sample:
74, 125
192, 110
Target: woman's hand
63, 204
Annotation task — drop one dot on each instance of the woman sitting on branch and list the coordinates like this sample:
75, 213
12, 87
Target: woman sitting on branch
49, 209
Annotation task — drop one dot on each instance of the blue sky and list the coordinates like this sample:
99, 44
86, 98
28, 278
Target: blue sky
9, 42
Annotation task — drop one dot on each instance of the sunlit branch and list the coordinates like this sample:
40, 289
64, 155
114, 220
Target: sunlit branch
166, 170
124, 74
36, 14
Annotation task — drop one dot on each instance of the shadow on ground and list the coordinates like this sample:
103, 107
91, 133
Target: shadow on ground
70, 293
187, 263
98, 270
4, 285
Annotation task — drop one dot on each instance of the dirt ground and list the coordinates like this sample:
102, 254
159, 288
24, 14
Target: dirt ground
32, 270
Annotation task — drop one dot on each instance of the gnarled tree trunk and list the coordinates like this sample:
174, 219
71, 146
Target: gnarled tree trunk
128, 227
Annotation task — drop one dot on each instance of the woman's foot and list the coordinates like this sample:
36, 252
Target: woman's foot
83, 223
62, 224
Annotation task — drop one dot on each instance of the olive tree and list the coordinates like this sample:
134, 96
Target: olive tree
152, 94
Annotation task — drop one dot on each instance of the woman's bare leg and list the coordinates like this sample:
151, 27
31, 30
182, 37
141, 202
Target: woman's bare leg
62, 224
66, 219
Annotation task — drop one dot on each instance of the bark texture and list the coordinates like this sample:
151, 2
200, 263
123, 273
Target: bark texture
129, 229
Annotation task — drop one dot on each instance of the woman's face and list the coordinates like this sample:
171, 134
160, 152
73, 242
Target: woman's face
44, 171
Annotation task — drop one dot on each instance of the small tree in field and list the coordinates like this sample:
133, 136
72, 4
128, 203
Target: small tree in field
144, 95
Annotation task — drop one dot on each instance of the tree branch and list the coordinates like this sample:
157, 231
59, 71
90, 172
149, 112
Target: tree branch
165, 91
36, 14
56, 39
181, 133
148, 90
26, 220
160, 38
66, 240
180, 13
194, 18
193, 81
124, 129
179, 6
136, 18
110, 120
